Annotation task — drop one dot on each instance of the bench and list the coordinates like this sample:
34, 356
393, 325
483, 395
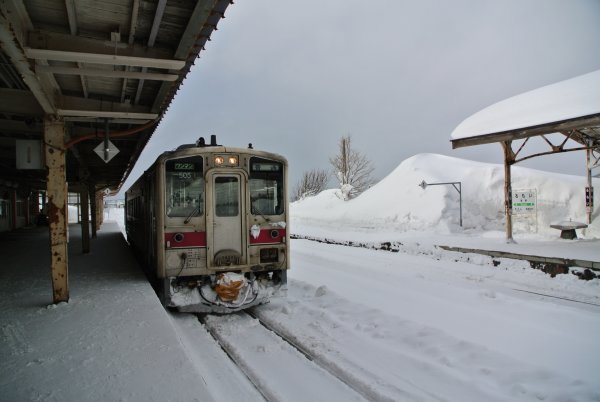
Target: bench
567, 228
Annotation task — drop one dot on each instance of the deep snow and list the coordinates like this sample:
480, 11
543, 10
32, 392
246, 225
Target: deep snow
397, 204
419, 324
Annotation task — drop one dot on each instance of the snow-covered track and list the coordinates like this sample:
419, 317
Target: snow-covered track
556, 297
277, 368
313, 355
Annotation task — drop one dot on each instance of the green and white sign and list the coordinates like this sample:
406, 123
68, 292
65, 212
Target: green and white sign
524, 201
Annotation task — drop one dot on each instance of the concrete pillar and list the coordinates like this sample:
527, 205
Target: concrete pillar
54, 148
85, 220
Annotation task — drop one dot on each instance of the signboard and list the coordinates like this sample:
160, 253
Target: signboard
589, 197
29, 154
524, 201
106, 154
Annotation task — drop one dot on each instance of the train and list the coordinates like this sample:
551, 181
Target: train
209, 224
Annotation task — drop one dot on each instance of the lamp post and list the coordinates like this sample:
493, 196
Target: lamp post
457, 186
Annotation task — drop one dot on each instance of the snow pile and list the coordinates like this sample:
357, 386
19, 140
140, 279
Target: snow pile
398, 203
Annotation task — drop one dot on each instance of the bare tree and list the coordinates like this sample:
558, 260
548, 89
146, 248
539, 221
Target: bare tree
312, 183
352, 169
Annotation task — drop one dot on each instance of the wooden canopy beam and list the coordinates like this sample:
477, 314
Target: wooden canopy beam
521, 133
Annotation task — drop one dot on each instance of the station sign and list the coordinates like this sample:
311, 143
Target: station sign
589, 196
524, 201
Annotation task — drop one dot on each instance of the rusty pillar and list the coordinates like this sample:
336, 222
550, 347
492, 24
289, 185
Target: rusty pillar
509, 158
54, 148
99, 208
85, 220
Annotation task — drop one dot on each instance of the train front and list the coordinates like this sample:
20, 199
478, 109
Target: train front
224, 231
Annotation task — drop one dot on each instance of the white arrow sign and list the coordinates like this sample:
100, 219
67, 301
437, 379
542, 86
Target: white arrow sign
106, 154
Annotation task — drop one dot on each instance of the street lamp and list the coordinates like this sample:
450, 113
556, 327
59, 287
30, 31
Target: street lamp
457, 186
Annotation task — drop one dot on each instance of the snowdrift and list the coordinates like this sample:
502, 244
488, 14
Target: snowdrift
398, 202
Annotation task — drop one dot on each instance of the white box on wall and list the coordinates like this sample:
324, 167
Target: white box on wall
29, 154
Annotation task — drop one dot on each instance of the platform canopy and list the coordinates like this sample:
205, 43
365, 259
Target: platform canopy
570, 107
98, 67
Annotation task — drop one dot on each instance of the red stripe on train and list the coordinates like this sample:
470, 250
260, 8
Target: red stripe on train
266, 236
185, 239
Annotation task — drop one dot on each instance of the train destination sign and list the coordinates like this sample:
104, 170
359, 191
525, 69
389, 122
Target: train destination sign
266, 167
184, 168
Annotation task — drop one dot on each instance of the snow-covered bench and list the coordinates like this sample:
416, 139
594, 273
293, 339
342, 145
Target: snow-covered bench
567, 228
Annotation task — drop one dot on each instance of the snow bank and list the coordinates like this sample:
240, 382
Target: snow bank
398, 203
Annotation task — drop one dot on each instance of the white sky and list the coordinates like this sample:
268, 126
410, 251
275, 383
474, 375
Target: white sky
293, 77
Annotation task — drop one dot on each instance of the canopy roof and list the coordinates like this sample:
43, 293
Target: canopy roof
101, 67
570, 107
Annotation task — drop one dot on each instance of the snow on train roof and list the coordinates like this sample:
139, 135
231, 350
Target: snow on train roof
573, 98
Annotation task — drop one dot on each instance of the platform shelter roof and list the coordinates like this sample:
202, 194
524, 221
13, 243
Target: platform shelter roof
570, 107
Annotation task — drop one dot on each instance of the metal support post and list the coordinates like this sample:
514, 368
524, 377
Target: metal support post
457, 186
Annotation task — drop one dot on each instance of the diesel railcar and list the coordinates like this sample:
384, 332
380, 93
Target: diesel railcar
210, 225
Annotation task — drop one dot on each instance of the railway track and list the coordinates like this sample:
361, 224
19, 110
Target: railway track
278, 368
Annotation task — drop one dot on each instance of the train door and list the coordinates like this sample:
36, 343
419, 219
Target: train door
226, 242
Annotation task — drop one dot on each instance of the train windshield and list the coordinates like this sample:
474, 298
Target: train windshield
266, 187
184, 187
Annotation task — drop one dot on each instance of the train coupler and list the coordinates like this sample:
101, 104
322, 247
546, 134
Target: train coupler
226, 292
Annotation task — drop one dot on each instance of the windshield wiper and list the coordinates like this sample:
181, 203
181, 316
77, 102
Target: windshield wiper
255, 209
196, 209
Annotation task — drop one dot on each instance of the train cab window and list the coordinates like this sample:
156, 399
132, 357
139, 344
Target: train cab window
184, 186
266, 187
227, 196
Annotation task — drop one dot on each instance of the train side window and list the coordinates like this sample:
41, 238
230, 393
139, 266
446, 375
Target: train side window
184, 187
227, 196
266, 187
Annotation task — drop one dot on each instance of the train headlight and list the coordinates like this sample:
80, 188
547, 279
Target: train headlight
219, 160
232, 161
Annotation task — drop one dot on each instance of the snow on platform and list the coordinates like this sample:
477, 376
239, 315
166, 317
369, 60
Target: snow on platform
96, 346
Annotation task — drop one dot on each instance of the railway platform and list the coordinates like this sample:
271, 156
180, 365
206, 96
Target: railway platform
112, 341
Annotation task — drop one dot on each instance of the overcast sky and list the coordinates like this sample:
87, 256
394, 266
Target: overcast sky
293, 76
